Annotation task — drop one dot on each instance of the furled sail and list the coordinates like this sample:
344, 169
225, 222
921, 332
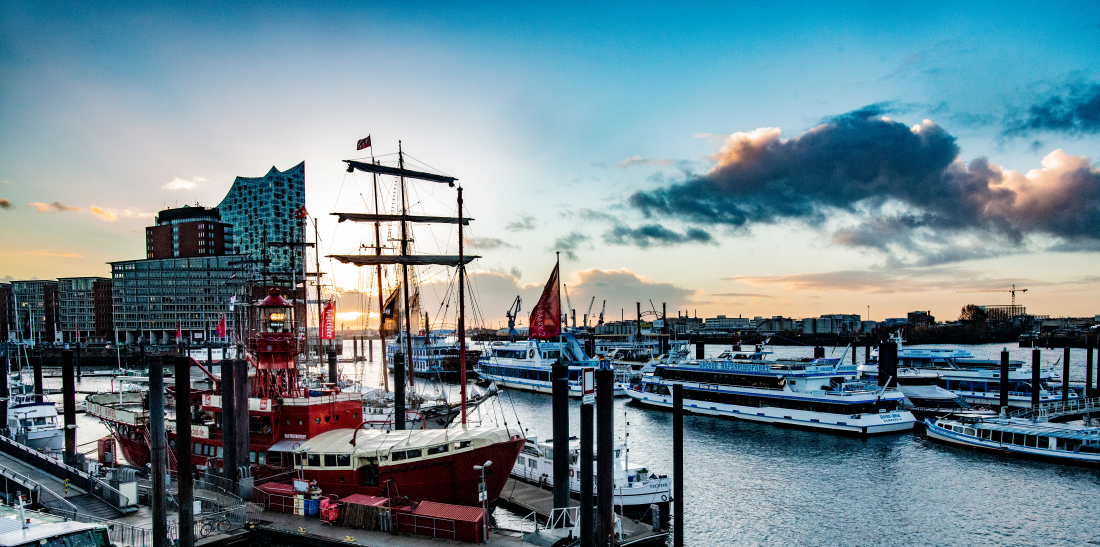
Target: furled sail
369, 217
398, 172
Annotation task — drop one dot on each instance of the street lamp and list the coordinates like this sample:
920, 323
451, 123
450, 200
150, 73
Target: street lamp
483, 497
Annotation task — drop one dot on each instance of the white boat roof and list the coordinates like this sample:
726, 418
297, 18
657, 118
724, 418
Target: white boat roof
375, 442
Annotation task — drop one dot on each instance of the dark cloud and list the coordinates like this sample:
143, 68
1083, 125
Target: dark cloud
490, 244
622, 288
654, 235
5, 203
568, 244
905, 186
1074, 109
523, 223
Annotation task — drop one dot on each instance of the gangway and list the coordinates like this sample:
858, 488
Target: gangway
1059, 411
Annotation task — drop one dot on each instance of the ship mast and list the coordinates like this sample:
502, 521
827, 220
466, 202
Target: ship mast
381, 301
405, 276
461, 312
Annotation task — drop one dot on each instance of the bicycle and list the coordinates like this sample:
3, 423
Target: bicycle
215, 525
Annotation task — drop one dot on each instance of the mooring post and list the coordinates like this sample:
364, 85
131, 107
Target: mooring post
853, 352
4, 390
867, 351
76, 347
1004, 386
700, 350
1035, 380
887, 363
333, 375
185, 483
1088, 371
560, 416
157, 455
68, 389
588, 520
229, 426
1065, 375
240, 421
605, 471
37, 378
819, 352
370, 351
399, 391
678, 463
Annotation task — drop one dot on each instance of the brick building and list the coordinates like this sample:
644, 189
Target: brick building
186, 232
36, 314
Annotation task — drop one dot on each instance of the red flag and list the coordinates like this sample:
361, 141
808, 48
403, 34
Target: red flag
328, 321
545, 316
179, 330
301, 212
77, 332
363, 143
221, 328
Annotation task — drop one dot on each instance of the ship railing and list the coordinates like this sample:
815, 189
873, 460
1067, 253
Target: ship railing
122, 534
1056, 408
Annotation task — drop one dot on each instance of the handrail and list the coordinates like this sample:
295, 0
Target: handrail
82, 474
37, 486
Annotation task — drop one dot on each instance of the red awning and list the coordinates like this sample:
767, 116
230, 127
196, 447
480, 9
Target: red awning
459, 513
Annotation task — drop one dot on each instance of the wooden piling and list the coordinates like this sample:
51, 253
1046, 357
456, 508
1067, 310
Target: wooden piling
1035, 380
333, 373
37, 379
700, 350
1088, 371
588, 520
678, 463
157, 458
229, 428
1065, 375
68, 388
560, 417
605, 472
1004, 386
185, 481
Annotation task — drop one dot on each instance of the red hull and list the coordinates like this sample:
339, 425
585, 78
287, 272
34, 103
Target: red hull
423, 480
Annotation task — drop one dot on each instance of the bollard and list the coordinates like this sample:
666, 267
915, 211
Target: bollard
1065, 375
1004, 387
678, 464
588, 535
887, 363
1036, 381
185, 481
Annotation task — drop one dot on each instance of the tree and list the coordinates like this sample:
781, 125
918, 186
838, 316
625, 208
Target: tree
972, 314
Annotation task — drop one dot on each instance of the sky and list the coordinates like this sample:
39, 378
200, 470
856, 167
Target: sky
791, 159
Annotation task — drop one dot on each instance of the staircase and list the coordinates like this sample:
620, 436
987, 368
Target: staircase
91, 505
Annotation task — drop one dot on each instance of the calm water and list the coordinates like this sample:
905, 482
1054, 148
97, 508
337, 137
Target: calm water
754, 484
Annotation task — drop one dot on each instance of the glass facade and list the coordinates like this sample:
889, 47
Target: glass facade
268, 202
76, 301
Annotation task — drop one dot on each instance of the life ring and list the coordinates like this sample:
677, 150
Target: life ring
664, 497
531, 354
570, 472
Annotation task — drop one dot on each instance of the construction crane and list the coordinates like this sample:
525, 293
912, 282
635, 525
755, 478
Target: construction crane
603, 309
511, 314
572, 312
1013, 290
654, 308
589, 312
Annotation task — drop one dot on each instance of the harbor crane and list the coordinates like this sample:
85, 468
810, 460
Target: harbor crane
589, 312
568, 302
511, 314
1013, 290
603, 309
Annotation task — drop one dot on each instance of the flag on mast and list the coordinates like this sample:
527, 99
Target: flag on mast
544, 322
328, 321
221, 328
363, 143
179, 331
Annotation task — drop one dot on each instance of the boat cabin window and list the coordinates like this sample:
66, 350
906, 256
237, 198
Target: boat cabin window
415, 453
313, 460
437, 449
532, 463
462, 444
330, 460
552, 355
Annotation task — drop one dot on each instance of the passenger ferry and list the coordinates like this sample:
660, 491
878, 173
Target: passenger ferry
30, 422
20, 527
924, 397
808, 393
978, 381
635, 486
527, 365
433, 356
1021, 437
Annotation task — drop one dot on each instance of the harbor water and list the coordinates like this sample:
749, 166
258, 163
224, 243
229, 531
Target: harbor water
756, 484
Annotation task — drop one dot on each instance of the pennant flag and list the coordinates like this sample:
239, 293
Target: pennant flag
363, 143
221, 328
301, 213
544, 316
388, 324
328, 321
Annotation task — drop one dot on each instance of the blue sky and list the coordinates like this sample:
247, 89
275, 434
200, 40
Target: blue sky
557, 117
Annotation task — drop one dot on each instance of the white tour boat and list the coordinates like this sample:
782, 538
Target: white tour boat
1021, 436
30, 422
636, 487
527, 365
808, 393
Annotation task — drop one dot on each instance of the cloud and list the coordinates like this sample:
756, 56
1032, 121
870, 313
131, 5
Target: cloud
47, 252
183, 184
1073, 109
622, 289
516, 273
490, 243
888, 187
638, 160
568, 244
55, 206
744, 295
108, 215
884, 281
654, 235
523, 223
5, 204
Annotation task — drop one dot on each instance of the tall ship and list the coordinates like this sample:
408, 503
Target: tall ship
527, 365
821, 394
321, 431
